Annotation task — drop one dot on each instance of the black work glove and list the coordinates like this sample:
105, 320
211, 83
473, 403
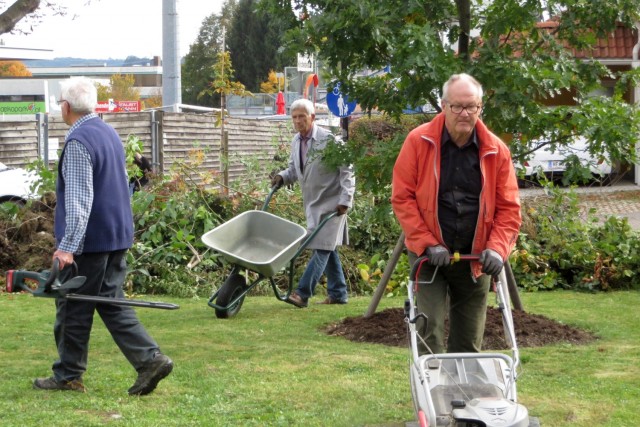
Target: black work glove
438, 256
491, 261
277, 181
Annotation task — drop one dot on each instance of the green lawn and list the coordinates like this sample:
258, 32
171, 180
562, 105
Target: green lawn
272, 366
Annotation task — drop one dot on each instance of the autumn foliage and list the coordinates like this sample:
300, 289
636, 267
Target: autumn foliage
273, 83
13, 69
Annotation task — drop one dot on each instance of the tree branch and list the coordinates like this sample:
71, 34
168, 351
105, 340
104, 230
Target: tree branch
18, 10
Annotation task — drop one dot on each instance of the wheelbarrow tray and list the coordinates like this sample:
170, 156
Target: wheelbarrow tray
257, 240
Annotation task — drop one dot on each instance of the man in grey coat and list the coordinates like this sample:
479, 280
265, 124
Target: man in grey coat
324, 190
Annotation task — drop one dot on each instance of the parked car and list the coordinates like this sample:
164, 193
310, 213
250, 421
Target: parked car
554, 164
16, 184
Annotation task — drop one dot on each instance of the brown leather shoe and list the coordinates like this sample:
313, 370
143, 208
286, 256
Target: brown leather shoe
297, 300
52, 384
330, 300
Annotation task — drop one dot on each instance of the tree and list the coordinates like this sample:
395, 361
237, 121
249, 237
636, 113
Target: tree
222, 81
523, 66
15, 12
255, 39
224, 85
273, 83
13, 69
154, 101
120, 88
26, 11
196, 69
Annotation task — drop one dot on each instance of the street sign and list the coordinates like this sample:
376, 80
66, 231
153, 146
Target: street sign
339, 103
305, 62
112, 106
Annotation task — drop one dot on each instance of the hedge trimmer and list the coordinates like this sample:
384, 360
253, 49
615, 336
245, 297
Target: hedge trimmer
46, 284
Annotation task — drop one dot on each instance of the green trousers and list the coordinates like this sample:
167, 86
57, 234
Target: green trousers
454, 292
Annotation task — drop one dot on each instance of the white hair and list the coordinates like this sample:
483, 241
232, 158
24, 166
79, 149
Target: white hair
80, 93
461, 76
303, 103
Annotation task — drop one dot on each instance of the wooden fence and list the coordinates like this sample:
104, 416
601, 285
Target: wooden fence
168, 139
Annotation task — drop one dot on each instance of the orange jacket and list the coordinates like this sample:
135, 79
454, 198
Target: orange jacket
414, 196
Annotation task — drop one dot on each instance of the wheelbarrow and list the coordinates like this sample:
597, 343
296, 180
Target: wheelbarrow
465, 389
261, 242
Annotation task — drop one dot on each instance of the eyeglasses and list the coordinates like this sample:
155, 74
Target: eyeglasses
471, 109
60, 101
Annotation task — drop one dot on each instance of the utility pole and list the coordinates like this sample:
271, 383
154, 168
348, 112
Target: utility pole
171, 78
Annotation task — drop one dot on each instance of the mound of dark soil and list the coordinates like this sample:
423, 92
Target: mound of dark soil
28, 243
388, 327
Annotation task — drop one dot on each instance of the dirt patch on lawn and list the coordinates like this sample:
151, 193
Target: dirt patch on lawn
388, 327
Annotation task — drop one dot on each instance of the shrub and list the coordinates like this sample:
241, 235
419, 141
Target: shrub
562, 245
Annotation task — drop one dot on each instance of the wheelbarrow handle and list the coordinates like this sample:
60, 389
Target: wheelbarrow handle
273, 190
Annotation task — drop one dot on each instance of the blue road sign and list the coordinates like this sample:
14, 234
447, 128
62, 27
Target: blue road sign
339, 103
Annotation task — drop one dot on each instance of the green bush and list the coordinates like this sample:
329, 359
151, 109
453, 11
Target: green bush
563, 246
560, 244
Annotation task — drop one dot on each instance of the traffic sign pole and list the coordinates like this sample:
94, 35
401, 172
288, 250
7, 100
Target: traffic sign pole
344, 125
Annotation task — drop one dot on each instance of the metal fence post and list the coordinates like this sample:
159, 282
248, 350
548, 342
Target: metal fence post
154, 141
42, 123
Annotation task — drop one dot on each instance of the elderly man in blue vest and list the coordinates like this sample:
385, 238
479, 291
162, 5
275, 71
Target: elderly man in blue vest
324, 190
94, 228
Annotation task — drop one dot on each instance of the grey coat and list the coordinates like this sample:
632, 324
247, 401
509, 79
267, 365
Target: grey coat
323, 189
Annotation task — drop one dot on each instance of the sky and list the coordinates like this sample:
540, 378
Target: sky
114, 28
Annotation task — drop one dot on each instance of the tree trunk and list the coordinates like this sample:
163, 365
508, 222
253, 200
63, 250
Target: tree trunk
464, 20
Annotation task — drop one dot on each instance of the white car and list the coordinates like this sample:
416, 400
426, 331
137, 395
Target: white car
554, 163
16, 184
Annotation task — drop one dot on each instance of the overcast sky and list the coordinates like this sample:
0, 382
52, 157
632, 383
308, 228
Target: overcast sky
114, 28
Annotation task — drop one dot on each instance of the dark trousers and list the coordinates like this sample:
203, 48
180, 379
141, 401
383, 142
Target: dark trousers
105, 273
467, 307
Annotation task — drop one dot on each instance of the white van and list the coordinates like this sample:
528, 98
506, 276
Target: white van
16, 184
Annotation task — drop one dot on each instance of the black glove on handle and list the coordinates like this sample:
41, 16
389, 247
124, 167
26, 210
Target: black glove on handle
277, 181
491, 261
438, 256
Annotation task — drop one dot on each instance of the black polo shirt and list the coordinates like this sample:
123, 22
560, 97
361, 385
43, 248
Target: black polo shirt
459, 192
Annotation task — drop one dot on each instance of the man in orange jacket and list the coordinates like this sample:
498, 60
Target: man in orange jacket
455, 190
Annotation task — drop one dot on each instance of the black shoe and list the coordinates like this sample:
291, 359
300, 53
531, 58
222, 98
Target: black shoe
150, 375
52, 384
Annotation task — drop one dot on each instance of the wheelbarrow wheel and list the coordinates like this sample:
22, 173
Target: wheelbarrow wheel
234, 286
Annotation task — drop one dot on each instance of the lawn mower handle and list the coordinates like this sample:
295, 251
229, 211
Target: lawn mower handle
455, 257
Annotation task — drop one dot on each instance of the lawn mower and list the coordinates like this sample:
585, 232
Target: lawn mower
46, 284
465, 389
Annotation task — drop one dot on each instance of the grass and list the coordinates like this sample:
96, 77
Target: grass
272, 366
